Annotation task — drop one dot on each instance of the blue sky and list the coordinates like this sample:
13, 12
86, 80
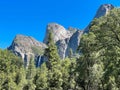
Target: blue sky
30, 17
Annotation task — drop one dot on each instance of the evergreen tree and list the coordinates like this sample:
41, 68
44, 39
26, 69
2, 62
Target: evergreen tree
99, 64
41, 78
70, 54
87, 63
107, 31
53, 65
20, 79
31, 70
9, 67
51, 54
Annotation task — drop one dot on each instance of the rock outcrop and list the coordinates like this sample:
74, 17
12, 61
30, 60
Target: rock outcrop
74, 42
62, 46
65, 39
58, 31
102, 11
26, 47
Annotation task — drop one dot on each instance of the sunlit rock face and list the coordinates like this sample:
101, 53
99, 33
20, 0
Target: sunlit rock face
58, 31
102, 11
26, 47
65, 39
72, 43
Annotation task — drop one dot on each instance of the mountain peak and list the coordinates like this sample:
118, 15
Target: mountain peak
103, 10
59, 32
25, 46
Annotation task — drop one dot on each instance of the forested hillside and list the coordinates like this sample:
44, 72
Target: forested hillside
97, 67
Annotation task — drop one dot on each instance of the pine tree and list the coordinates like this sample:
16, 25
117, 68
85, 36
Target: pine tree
99, 65
53, 65
9, 67
51, 54
88, 63
41, 78
107, 31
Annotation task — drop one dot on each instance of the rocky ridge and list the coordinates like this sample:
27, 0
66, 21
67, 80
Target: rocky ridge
102, 11
26, 47
65, 39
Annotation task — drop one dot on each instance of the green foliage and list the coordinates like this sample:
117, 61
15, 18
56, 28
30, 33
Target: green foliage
107, 31
37, 50
97, 68
12, 75
70, 54
9, 62
30, 75
31, 70
99, 63
41, 78
53, 65
51, 54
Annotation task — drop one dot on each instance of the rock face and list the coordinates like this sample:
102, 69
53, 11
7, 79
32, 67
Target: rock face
74, 42
64, 39
59, 32
26, 47
62, 46
102, 11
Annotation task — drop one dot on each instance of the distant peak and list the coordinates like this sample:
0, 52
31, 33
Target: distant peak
53, 23
106, 6
22, 36
54, 26
103, 10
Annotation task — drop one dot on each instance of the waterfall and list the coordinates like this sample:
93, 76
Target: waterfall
39, 61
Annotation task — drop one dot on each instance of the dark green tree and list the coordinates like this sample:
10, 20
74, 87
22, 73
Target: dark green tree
53, 65
10, 66
107, 31
41, 78
99, 64
88, 63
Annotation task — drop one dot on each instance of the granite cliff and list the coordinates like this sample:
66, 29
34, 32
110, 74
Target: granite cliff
27, 47
58, 31
65, 39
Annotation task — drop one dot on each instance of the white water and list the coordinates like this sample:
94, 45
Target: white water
39, 61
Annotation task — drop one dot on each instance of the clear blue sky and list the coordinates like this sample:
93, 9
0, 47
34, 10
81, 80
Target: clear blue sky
30, 17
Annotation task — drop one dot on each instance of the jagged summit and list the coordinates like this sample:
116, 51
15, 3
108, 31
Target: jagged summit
25, 47
65, 39
102, 11
25, 42
59, 32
